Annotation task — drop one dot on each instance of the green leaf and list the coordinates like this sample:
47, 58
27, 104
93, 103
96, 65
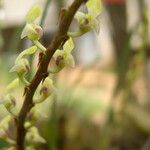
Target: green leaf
2, 143
28, 51
14, 84
68, 46
33, 13
94, 7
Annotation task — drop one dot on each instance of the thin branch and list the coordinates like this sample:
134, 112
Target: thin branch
41, 73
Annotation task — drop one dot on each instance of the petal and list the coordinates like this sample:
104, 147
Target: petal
28, 51
33, 32
79, 16
68, 46
39, 30
33, 13
28, 29
70, 61
14, 84
48, 83
58, 53
94, 7
24, 32
15, 68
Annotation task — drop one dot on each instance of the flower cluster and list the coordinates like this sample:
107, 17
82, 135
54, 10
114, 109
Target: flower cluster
62, 57
21, 67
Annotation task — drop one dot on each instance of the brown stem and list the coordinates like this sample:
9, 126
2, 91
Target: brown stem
41, 73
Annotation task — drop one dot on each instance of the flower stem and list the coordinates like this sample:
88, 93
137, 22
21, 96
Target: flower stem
39, 45
23, 80
75, 34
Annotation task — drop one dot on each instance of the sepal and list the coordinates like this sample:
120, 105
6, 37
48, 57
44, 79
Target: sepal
33, 13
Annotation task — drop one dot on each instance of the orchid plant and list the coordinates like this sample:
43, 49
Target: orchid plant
63, 57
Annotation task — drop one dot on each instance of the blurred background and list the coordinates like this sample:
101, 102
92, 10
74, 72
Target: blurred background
104, 102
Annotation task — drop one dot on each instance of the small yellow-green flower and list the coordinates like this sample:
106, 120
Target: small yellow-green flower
21, 64
31, 30
89, 20
21, 67
64, 57
47, 88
